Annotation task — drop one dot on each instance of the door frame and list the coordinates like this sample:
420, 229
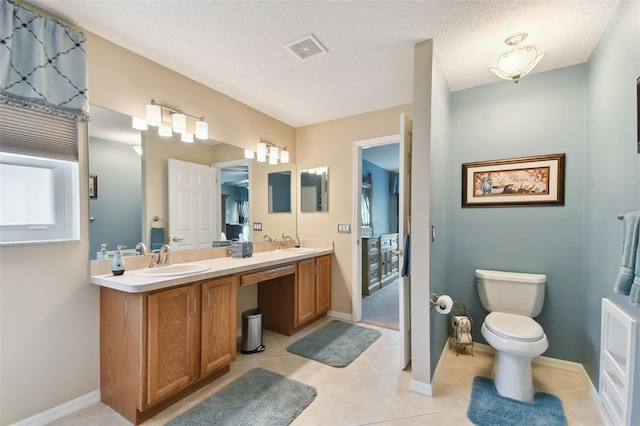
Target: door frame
356, 273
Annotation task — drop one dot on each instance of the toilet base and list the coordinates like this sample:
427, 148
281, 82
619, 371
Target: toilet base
513, 377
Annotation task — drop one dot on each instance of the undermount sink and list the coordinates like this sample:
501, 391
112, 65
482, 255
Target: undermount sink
172, 270
297, 250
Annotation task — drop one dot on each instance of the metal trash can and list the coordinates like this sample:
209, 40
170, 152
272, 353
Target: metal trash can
252, 332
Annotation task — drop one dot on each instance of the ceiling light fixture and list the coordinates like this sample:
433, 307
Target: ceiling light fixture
265, 148
178, 120
519, 61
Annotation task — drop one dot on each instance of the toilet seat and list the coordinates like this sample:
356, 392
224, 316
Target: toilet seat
514, 327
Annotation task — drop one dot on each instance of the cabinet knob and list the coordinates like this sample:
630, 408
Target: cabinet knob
398, 252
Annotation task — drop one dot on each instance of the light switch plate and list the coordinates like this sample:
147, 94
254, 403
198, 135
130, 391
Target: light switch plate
344, 228
257, 226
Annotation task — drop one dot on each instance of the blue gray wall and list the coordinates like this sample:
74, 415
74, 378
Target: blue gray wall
118, 207
543, 114
589, 113
440, 194
612, 173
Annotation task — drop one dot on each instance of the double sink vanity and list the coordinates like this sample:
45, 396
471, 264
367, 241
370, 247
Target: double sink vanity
167, 331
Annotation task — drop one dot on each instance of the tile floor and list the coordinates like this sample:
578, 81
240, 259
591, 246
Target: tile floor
372, 389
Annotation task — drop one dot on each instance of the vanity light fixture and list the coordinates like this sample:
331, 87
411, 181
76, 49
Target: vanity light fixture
178, 120
266, 149
519, 61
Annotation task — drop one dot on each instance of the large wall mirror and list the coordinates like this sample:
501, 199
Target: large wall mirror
314, 189
130, 169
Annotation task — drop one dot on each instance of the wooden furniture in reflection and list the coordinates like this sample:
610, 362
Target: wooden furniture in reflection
380, 263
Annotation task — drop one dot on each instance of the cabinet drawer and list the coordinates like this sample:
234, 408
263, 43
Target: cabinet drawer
267, 274
372, 243
373, 272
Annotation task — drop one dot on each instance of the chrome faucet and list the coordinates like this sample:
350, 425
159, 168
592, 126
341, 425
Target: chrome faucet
267, 238
161, 257
283, 241
140, 247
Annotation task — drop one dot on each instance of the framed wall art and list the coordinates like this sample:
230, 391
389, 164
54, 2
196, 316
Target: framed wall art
93, 186
526, 181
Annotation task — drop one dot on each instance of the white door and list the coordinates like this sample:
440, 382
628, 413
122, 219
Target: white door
404, 230
193, 205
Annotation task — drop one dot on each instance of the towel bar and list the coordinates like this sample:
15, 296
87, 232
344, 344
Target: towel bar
620, 216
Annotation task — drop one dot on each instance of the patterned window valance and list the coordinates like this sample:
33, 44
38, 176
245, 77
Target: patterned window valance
43, 63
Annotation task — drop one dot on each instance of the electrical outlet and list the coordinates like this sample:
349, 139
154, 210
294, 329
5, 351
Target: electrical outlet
344, 228
257, 226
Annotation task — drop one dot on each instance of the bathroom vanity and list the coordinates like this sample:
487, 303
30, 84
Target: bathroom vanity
162, 338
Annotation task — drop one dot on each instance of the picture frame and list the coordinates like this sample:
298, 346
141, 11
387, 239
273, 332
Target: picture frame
93, 186
525, 181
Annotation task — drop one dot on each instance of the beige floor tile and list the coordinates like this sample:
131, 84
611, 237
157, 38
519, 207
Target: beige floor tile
445, 418
366, 400
446, 397
372, 389
318, 413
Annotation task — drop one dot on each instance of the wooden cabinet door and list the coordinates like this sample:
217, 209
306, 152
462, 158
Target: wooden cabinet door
305, 291
323, 284
218, 324
173, 332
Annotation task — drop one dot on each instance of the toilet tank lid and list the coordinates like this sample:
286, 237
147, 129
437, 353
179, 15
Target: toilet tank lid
510, 276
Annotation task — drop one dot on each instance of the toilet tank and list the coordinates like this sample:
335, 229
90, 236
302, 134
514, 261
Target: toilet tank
511, 292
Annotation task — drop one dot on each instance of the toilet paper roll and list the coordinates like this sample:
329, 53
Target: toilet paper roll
444, 304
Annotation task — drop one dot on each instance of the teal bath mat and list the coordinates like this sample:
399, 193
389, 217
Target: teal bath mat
258, 397
489, 408
336, 344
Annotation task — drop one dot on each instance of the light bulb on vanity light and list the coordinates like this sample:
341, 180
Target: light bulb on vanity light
202, 129
261, 152
139, 123
154, 114
284, 156
179, 122
186, 137
273, 155
165, 131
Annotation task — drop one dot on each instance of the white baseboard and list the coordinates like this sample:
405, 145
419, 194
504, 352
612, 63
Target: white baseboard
340, 315
440, 365
51, 415
421, 387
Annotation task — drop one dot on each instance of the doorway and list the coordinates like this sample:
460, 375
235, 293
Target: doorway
379, 235
403, 139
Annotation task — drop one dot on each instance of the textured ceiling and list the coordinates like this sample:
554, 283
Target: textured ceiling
238, 47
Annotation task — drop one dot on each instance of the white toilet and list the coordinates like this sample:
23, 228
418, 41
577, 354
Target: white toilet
513, 300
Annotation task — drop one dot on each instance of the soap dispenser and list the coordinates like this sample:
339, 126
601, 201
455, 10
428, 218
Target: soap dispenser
296, 242
117, 265
102, 254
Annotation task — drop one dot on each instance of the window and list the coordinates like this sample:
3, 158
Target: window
39, 177
38, 200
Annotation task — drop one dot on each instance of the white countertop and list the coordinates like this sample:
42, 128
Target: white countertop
131, 283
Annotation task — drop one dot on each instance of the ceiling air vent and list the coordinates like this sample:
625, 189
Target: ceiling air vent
306, 48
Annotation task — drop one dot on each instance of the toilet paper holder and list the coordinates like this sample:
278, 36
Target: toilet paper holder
439, 302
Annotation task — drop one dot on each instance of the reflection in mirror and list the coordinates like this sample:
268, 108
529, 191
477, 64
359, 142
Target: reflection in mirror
234, 193
279, 187
115, 213
314, 184
367, 194
124, 210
